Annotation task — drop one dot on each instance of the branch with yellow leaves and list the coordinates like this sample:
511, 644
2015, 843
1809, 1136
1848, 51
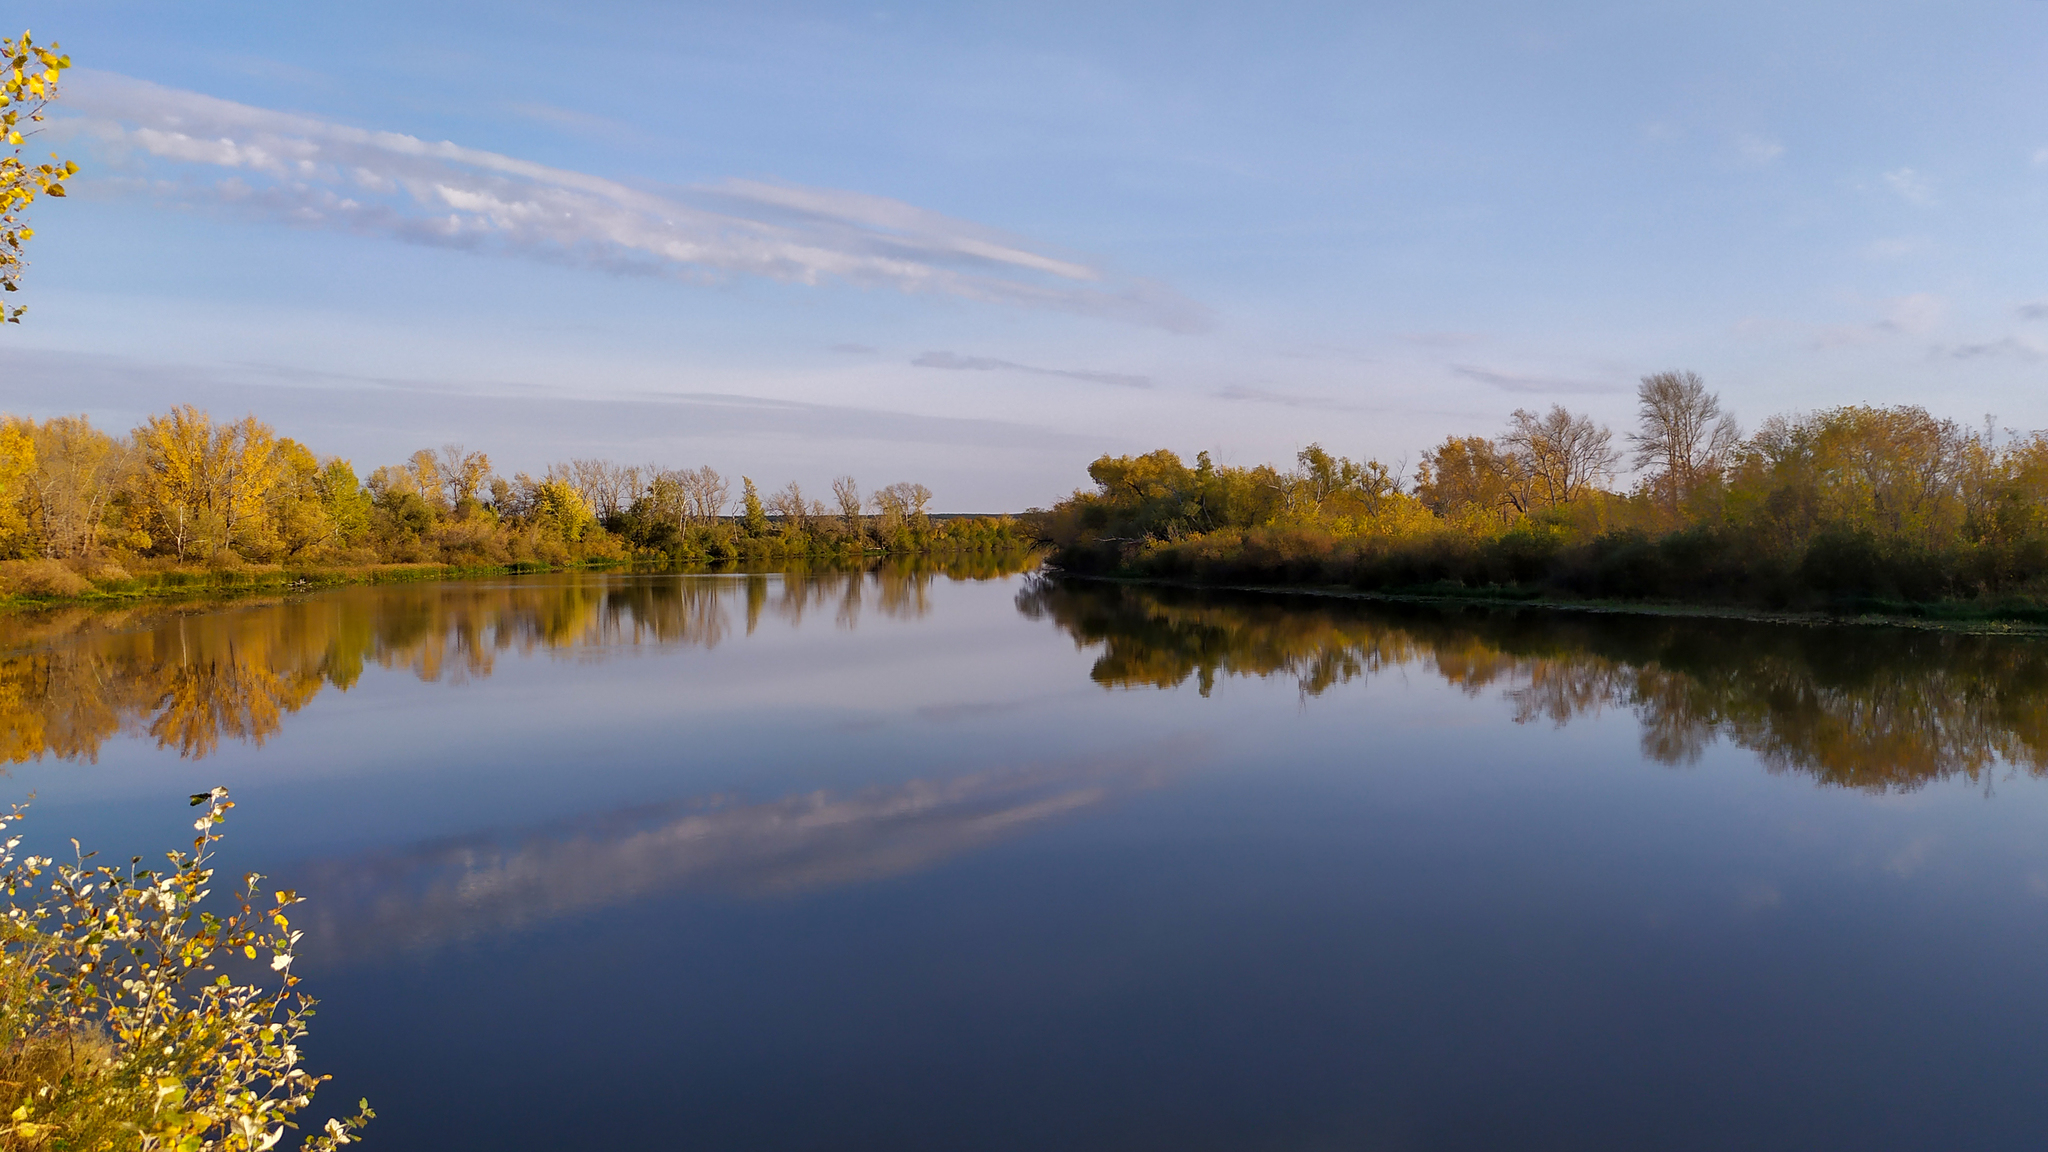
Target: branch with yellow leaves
31, 74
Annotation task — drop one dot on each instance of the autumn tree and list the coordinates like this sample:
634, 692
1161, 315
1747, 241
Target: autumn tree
464, 475
423, 469
177, 481
1320, 477
1682, 436
790, 509
17, 468
77, 471
31, 76
1893, 472
300, 523
847, 493
666, 498
1564, 456
1470, 480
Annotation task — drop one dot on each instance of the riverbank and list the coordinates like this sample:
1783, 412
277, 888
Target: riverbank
1967, 618
49, 583
32, 584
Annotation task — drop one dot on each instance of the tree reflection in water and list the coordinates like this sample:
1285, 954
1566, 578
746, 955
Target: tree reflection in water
189, 675
1879, 709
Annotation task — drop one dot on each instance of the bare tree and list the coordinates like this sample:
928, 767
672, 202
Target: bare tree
1565, 455
902, 503
464, 474
788, 507
1683, 438
890, 510
607, 486
704, 494
848, 494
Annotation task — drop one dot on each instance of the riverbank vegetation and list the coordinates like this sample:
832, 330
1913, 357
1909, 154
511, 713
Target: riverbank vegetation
135, 1020
1857, 508
186, 501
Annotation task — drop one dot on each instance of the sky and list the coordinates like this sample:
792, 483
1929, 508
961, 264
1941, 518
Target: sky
979, 245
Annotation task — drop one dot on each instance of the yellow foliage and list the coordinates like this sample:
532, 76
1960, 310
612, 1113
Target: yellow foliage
24, 92
205, 488
17, 462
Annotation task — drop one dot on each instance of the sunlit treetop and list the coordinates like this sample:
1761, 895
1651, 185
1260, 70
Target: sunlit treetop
30, 83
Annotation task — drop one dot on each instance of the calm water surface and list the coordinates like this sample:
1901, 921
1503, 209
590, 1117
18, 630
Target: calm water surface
955, 861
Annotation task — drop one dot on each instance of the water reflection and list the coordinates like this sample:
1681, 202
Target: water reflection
424, 896
1874, 709
189, 676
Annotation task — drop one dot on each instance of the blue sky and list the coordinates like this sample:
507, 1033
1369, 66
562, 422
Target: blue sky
977, 245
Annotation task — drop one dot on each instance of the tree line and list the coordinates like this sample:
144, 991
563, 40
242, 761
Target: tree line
1852, 507
186, 489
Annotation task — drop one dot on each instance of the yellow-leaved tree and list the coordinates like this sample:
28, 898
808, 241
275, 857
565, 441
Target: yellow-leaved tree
31, 75
17, 466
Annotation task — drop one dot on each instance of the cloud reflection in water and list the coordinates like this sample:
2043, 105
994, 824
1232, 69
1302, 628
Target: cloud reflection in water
455, 890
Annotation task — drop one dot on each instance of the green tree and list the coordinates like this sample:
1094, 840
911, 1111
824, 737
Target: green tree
753, 517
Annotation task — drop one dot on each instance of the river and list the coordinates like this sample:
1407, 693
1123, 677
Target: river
963, 857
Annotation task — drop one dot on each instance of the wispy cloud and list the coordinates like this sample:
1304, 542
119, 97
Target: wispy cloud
2010, 347
1916, 314
956, 362
1445, 339
1911, 186
274, 165
856, 349
1520, 382
2033, 310
1246, 394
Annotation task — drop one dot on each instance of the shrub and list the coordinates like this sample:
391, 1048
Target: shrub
40, 578
123, 1031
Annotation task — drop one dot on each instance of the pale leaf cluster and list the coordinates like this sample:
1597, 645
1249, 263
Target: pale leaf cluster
119, 978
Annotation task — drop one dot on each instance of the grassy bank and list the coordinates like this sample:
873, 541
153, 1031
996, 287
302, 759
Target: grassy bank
50, 583
41, 583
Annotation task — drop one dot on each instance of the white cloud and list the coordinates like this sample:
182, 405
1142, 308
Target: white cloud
1757, 149
316, 173
1914, 315
1898, 247
958, 363
1911, 186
